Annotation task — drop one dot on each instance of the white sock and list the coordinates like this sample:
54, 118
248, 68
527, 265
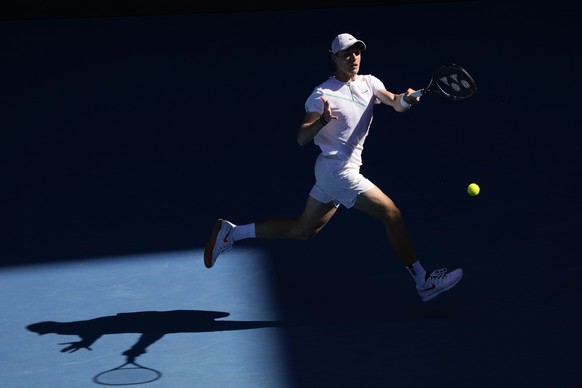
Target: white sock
418, 273
240, 232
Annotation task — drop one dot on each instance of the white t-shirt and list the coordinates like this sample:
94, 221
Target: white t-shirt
353, 104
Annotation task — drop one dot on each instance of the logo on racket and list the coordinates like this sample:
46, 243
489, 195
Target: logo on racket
456, 83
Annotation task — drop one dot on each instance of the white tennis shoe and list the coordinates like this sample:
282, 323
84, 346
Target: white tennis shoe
220, 242
439, 281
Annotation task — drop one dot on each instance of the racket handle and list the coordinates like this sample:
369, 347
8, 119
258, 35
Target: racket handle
418, 93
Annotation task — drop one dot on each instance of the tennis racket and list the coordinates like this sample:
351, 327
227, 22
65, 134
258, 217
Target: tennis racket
450, 80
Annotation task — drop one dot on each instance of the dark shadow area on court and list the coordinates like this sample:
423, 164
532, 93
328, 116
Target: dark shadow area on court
152, 327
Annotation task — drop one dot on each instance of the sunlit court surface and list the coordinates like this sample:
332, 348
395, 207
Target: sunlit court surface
124, 138
178, 323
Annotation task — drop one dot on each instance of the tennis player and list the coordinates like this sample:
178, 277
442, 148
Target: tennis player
338, 118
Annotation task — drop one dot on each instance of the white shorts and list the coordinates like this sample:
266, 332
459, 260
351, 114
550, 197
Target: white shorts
339, 181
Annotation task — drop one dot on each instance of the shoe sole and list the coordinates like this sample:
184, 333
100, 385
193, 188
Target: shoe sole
431, 297
211, 243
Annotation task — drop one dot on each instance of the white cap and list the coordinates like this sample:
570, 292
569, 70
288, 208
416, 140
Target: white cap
344, 42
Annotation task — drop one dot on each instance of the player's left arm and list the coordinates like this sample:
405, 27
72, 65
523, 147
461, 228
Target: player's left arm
312, 124
395, 100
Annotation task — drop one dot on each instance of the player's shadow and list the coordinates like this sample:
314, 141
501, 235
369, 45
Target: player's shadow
152, 325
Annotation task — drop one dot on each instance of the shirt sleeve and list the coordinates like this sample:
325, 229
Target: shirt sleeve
314, 102
376, 84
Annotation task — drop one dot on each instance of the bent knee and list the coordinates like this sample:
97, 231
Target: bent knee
307, 233
392, 214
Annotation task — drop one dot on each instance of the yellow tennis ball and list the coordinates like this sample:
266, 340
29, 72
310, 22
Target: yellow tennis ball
473, 189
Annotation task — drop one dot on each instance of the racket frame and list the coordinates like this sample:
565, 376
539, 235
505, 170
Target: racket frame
433, 86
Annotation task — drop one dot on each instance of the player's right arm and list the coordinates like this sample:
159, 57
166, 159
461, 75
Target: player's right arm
313, 122
394, 100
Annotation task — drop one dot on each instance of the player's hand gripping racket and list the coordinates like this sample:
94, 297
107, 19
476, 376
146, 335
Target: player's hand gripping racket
451, 81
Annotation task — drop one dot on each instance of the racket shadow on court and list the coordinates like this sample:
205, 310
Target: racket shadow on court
152, 325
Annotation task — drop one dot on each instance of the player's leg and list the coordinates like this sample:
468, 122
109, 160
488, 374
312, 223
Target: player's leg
314, 217
377, 204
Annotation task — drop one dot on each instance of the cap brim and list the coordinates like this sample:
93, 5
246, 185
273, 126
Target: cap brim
360, 43
356, 43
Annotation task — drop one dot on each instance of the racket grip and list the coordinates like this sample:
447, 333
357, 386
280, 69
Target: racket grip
418, 93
